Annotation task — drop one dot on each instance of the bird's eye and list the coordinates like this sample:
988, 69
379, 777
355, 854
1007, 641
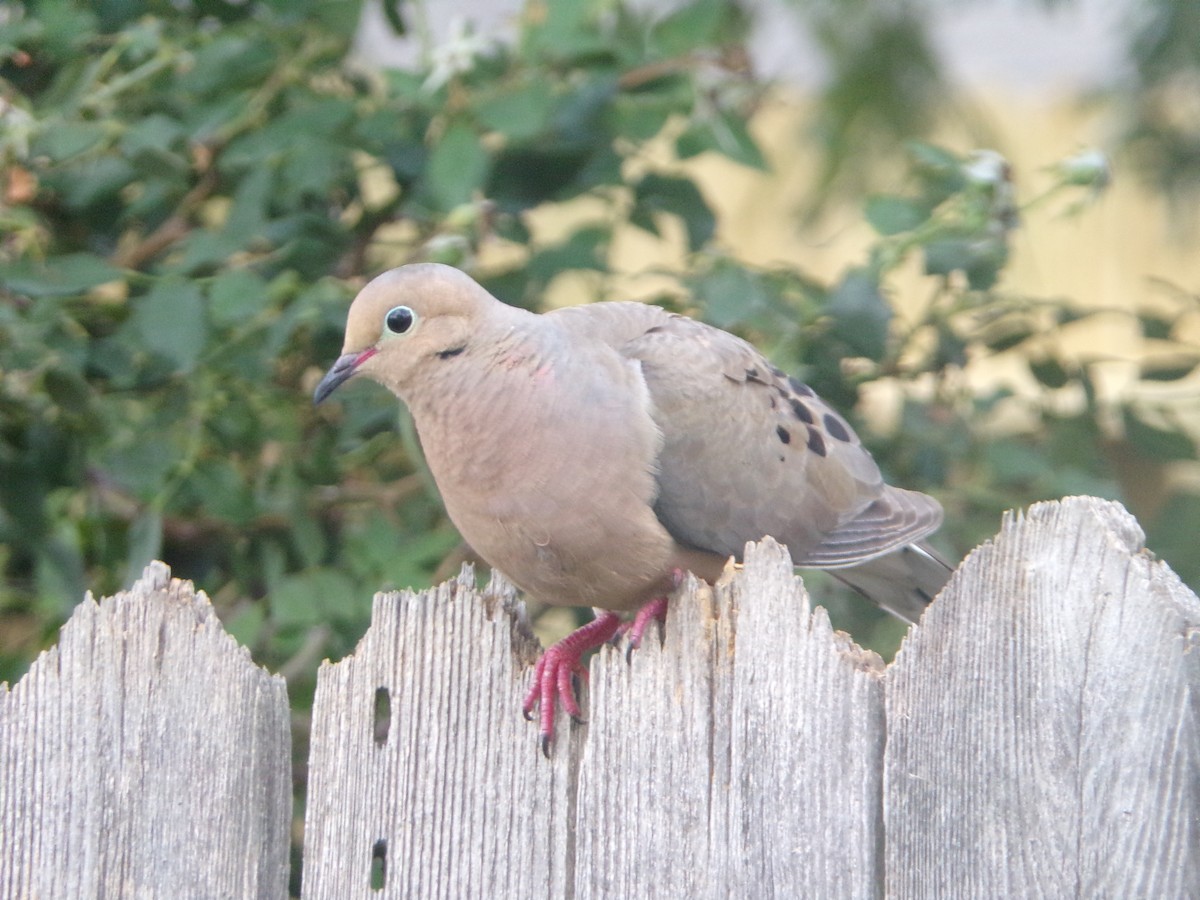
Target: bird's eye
399, 319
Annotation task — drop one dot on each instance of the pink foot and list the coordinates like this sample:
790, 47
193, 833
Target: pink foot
654, 610
556, 669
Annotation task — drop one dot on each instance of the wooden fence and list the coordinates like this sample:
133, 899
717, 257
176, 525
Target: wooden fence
1037, 736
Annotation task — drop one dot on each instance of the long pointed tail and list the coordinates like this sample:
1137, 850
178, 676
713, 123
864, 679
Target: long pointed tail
903, 582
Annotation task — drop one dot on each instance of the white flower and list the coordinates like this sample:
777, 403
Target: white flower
1088, 168
992, 175
16, 128
456, 56
987, 167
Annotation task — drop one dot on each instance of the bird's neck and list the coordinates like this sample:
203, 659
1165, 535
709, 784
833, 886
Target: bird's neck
466, 400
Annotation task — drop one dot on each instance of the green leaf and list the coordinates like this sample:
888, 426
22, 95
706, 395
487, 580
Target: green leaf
565, 31
680, 197
138, 463
458, 166
1155, 442
315, 596
423, 550
170, 321
724, 134
93, 186
519, 114
1064, 315
951, 348
246, 627
1172, 534
59, 570
394, 16
1015, 463
62, 276
698, 24
1049, 371
730, 295
984, 271
580, 113
1007, 334
1169, 369
230, 61
947, 255
931, 156
71, 394
236, 296
584, 249
861, 314
308, 539
145, 543
154, 134
62, 28
68, 139
247, 220
525, 176
641, 116
218, 486
1075, 442
980, 258
893, 215
342, 17
1156, 327
205, 249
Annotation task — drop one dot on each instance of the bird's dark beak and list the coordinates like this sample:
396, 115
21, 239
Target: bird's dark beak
345, 366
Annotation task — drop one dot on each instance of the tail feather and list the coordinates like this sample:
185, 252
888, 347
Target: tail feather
903, 582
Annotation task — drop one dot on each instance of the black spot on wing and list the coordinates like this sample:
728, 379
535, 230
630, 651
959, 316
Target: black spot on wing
784, 434
801, 412
816, 443
800, 387
836, 427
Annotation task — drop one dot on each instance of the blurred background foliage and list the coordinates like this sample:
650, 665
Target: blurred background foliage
193, 191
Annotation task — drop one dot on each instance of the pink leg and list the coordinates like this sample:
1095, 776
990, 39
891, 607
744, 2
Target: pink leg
555, 670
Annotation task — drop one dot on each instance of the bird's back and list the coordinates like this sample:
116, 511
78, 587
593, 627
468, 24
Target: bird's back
748, 451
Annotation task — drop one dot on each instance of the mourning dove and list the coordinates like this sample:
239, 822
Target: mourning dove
593, 454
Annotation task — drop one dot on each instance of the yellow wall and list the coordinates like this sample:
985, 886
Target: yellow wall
1111, 255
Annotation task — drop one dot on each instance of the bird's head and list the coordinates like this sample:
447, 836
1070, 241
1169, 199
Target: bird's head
405, 320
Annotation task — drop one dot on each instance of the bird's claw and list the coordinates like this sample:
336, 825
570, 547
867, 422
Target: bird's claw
655, 610
556, 678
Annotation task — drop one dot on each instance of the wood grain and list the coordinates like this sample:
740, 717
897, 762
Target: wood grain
1038, 735
458, 793
145, 756
1043, 736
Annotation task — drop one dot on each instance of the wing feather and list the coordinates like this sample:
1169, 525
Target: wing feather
748, 451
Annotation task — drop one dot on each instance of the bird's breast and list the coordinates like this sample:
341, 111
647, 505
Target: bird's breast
546, 468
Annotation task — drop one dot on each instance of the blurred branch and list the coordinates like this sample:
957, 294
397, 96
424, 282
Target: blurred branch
175, 227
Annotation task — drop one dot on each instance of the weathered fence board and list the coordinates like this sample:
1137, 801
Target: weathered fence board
454, 799
1044, 721
704, 754
1038, 735
145, 756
